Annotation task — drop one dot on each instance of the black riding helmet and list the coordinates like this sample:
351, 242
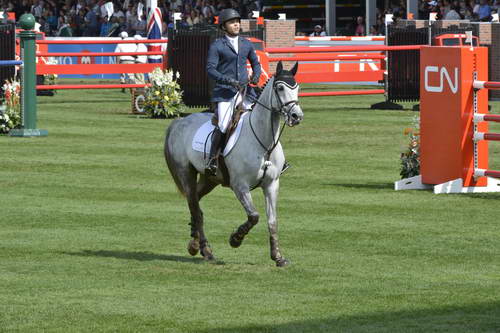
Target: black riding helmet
228, 14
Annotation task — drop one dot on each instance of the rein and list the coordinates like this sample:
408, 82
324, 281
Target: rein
273, 145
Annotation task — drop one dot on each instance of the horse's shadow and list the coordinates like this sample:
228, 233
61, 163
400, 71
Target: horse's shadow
372, 186
139, 256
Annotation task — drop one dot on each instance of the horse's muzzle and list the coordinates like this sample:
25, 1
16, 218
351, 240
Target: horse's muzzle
295, 116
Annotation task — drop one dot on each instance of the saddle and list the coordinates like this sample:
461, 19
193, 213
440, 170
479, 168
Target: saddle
232, 125
222, 168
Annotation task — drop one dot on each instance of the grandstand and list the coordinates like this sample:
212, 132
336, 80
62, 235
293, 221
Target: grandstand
308, 13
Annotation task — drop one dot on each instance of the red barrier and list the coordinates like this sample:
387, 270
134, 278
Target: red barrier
487, 173
487, 117
89, 86
95, 54
478, 136
98, 41
87, 69
343, 93
313, 57
336, 65
340, 38
486, 85
96, 69
363, 48
331, 76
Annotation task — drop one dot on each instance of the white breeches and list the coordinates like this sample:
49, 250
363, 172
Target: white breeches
127, 77
225, 110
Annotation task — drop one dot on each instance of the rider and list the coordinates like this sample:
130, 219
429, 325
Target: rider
226, 65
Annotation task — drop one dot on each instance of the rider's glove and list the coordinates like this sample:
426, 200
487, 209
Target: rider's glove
254, 80
235, 84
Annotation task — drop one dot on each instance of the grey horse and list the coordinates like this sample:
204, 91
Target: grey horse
256, 160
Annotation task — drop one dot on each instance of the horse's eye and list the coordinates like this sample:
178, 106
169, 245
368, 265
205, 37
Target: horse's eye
281, 88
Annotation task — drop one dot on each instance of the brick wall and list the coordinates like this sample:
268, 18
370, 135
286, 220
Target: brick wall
279, 33
490, 36
247, 25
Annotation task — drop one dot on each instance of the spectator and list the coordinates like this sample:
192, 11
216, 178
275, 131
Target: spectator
454, 13
209, 17
91, 23
483, 10
114, 29
434, 8
445, 8
140, 59
105, 27
22, 8
78, 23
360, 27
496, 6
193, 18
374, 31
139, 25
37, 9
125, 59
318, 31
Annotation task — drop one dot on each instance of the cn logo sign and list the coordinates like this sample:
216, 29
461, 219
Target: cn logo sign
444, 76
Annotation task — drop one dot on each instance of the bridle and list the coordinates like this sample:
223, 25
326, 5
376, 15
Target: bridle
283, 108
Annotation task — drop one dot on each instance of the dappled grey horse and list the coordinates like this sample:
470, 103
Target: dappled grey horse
255, 160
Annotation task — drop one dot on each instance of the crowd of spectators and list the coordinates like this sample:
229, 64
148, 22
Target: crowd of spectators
472, 10
90, 17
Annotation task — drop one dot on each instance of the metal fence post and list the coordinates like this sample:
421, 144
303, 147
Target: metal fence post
28, 80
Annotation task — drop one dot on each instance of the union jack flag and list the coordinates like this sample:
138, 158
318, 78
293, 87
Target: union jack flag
154, 32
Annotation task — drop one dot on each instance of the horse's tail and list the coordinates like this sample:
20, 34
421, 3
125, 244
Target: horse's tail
170, 162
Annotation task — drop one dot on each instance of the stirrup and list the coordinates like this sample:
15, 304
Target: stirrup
286, 166
211, 167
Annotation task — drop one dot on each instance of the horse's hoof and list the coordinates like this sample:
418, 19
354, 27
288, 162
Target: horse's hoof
235, 240
207, 254
282, 262
193, 247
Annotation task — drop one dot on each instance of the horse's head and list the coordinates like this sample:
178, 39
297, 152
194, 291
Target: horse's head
286, 90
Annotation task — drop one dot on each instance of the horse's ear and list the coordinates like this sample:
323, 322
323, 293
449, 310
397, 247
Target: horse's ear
279, 68
294, 69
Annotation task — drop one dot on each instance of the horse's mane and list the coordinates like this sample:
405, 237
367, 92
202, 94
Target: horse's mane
259, 90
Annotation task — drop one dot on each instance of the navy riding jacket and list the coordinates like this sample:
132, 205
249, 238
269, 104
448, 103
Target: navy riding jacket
223, 64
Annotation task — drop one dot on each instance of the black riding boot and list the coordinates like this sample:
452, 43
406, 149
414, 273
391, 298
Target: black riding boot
211, 167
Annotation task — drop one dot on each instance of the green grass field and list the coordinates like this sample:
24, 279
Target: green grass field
93, 232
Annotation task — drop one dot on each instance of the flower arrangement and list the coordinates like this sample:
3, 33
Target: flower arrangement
163, 99
10, 116
410, 159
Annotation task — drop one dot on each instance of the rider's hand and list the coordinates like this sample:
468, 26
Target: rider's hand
235, 84
254, 81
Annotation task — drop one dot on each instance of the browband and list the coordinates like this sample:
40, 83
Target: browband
289, 81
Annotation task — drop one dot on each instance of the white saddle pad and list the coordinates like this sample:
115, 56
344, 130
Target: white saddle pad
200, 142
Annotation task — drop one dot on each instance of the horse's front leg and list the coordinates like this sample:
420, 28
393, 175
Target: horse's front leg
244, 196
271, 195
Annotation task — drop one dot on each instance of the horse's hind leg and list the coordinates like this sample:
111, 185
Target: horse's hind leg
203, 187
187, 178
245, 199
